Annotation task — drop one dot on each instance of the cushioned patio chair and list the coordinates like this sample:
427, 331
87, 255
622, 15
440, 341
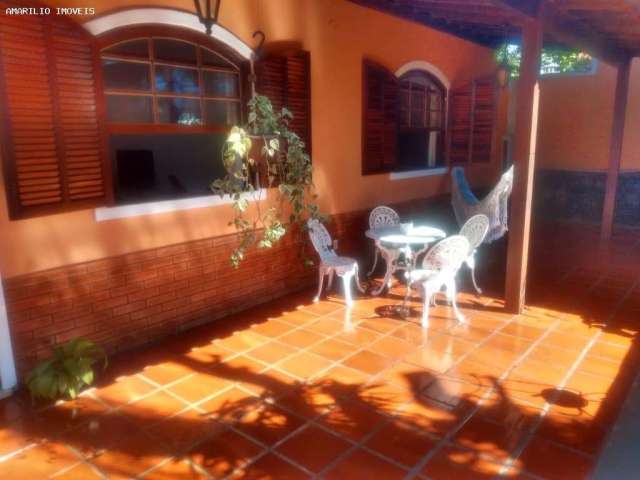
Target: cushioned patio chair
439, 268
331, 263
475, 230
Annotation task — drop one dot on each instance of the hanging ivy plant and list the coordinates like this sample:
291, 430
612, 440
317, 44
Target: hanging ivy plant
265, 153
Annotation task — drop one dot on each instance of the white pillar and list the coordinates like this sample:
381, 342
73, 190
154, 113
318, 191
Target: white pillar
8, 380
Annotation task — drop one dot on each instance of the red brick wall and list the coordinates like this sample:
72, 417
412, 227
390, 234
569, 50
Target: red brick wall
126, 301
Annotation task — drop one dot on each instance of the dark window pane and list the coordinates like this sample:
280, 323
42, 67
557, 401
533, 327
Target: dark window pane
417, 118
184, 111
417, 99
214, 60
177, 80
221, 112
126, 75
435, 120
404, 118
162, 167
129, 109
221, 84
436, 101
413, 149
134, 48
135, 172
174, 51
404, 98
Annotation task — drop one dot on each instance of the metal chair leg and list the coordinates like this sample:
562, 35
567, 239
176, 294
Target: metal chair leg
358, 284
375, 261
451, 296
346, 282
330, 280
425, 306
471, 263
321, 274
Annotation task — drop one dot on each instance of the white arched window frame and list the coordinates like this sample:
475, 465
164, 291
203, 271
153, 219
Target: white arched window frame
165, 16
175, 18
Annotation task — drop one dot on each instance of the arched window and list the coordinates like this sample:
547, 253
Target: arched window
421, 122
169, 81
170, 97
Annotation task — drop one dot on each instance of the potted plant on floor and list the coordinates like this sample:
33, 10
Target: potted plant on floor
67, 372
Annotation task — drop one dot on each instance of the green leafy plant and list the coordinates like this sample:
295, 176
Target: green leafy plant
552, 60
265, 153
68, 371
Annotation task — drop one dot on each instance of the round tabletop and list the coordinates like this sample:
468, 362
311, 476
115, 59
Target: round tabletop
414, 236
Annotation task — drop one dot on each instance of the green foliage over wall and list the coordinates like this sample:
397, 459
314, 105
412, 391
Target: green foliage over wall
554, 60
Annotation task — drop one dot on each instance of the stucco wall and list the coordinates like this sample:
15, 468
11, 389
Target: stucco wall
338, 34
576, 112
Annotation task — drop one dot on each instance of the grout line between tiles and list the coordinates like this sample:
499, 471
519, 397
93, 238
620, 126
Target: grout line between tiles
453, 431
361, 443
519, 449
370, 378
270, 449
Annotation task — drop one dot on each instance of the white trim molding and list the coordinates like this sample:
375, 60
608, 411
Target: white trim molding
8, 379
425, 172
165, 206
426, 67
164, 16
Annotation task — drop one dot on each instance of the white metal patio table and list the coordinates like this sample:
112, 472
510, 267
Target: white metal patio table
396, 240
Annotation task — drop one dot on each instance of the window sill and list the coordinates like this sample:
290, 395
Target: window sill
425, 172
165, 206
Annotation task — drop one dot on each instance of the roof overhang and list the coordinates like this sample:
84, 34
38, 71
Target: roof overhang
607, 29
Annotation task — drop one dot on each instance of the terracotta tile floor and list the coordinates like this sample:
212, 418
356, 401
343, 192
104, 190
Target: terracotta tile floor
300, 390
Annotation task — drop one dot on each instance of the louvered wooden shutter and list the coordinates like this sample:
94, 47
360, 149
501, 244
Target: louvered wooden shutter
460, 113
286, 80
52, 136
379, 119
483, 120
471, 121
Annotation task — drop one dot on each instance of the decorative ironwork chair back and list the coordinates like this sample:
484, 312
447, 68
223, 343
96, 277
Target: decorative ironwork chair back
447, 255
321, 239
383, 216
475, 230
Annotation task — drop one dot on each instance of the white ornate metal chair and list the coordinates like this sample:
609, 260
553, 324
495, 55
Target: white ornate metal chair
474, 230
331, 263
381, 216
439, 268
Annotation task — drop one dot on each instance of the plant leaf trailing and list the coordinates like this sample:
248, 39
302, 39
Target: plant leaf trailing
282, 161
68, 371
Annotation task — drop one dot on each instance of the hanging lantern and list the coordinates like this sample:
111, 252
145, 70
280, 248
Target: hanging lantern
207, 11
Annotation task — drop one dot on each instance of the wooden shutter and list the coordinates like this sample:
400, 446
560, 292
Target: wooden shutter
471, 121
483, 120
52, 133
379, 119
286, 80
